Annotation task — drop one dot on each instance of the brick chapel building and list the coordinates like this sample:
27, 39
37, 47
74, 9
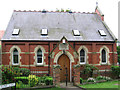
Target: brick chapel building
41, 39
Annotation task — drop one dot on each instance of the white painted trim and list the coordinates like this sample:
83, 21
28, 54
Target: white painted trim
86, 54
35, 57
107, 55
11, 55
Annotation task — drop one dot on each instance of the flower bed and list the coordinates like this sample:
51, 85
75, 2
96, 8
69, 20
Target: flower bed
107, 85
23, 77
33, 81
98, 79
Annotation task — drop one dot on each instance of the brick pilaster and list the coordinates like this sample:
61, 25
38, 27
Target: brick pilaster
76, 75
56, 76
27, 53
93, 53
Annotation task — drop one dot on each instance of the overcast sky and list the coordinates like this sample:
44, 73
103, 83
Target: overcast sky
108, 7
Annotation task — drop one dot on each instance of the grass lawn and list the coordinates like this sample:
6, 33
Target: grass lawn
55, 88
109, 84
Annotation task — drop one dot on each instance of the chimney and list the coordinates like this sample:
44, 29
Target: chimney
98, 11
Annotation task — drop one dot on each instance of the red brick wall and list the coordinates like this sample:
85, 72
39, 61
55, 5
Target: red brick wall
92, 47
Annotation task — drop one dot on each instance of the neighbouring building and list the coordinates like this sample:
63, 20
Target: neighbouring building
1, 34
42, 39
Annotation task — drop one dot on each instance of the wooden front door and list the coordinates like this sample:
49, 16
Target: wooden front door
64, 62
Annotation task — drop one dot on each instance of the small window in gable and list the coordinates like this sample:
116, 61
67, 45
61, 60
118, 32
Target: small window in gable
39, 57
16, 32
15, 57
44, 32
102, 33
76, 33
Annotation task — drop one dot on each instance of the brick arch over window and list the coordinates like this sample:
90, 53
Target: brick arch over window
107, 55
86, 54
11, 55
36, 56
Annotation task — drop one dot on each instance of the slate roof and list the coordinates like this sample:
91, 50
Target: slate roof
59, 24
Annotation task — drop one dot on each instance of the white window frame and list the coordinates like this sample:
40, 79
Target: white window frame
102, 32
37, 57
43, 57
44, 32
13, 57
76, 32
16, 32
84, 56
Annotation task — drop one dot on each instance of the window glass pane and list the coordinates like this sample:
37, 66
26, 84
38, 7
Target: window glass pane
103, 55
82, 56
15, 59
102, 33
82, 59
39, 56
76, 33
15, 31
39, 60
39, 52
82, 53
15, 56
44, 32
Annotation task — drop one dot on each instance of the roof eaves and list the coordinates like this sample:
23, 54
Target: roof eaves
56, 40
110, 32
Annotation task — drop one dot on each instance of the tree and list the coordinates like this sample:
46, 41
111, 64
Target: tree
118, 52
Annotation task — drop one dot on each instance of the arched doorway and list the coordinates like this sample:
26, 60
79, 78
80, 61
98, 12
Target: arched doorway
64, 62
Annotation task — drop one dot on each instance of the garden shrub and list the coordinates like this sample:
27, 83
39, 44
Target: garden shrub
103, 78
88, 70
19, 84
33, 80
24, 71
23, 79
16, 71
100, 78
7, 74
43, 79
91, 79
108, 78
81, 80
115, 70
49, 80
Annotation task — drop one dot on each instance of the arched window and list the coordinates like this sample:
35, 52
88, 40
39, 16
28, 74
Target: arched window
39, 57
15, 57
82, 56
104, 58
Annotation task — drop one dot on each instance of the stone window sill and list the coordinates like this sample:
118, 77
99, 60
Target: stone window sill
104, 63
39, 65
15, 64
